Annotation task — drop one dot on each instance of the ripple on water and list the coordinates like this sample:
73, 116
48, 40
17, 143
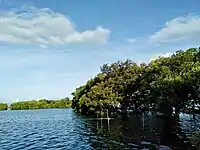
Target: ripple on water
62, 129
42, 129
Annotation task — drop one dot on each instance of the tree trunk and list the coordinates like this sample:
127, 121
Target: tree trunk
136, 108
177, 112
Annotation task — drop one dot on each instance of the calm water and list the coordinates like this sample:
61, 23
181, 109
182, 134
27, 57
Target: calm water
63, 129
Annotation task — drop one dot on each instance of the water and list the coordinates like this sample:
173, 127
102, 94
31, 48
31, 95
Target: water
63, 129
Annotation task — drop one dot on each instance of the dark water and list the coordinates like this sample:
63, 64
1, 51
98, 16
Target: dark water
63, 129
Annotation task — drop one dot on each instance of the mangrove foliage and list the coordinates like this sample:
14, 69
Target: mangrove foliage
168, 82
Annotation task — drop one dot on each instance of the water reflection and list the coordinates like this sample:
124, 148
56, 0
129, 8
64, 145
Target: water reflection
137, 132
63, 129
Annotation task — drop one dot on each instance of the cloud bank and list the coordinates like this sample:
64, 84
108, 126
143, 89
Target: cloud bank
44, 27
181, 28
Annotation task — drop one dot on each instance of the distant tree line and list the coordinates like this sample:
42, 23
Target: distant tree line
41, 104
38, 104
3, 106
168, 82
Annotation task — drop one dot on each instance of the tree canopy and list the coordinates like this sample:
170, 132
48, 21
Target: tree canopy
170, 82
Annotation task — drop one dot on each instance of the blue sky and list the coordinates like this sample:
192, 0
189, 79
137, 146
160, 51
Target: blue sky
50, 47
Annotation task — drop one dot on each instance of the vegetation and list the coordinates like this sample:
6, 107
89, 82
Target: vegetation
41, 104
3, 106
166, 83
195, 138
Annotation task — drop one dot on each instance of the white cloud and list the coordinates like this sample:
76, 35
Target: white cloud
44, 27
181, 28
131, 40
161, 55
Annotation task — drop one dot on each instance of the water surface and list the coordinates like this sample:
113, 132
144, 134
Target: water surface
63, 129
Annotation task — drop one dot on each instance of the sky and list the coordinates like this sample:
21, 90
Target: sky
48, 48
